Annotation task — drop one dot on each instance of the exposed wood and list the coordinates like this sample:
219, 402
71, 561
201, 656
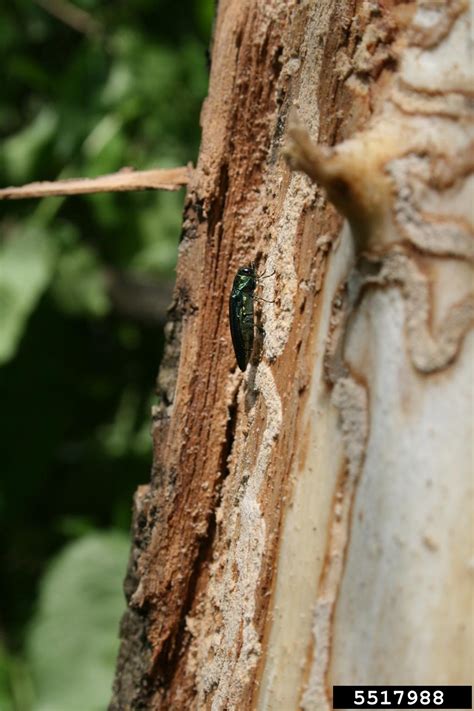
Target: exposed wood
125, 180
307, 523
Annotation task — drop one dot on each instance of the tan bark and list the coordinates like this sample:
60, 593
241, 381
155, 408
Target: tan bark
308, 523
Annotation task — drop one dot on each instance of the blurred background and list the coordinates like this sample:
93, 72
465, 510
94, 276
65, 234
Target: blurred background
87, 87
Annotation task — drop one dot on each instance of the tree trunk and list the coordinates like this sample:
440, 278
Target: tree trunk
308, 523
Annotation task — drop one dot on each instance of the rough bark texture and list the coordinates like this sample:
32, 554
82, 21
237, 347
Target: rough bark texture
307, 523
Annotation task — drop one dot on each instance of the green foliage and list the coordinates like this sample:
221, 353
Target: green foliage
79, 285
76, 373
87, 105
159, 254
27, 260
16, 687
72, 642
20, 153
6, 701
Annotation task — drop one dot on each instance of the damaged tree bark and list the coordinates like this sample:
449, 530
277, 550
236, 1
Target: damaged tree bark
308, 523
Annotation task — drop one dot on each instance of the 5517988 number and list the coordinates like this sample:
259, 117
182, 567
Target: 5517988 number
416, 697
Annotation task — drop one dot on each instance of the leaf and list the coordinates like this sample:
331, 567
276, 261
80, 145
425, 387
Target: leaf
79, 285
27, 260
73, 641
16, 693
6, 700
159, 230
117, 437
19, 152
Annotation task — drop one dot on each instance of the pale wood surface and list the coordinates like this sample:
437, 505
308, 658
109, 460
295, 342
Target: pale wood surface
123, 181
307, 522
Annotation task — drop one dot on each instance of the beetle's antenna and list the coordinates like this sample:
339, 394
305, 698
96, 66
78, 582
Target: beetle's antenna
265, 276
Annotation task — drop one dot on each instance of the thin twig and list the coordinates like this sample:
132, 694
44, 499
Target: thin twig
125, 180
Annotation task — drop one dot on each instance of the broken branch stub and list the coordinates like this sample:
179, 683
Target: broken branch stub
125, 180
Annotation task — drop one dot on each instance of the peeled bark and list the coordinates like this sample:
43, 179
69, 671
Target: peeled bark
308, 523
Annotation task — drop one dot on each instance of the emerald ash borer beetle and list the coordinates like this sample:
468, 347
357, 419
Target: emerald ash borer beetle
241, 314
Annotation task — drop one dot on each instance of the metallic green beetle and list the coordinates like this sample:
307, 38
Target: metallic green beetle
241, 314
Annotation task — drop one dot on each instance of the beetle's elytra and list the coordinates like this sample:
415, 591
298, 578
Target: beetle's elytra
241, 314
